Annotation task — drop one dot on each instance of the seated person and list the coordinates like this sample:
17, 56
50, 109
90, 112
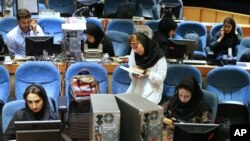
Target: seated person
166, 29
226, 38
187, 104
96, 36
16, 37
37, 107
148, 57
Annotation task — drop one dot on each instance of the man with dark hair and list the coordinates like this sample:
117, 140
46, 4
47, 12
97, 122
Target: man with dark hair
16, 37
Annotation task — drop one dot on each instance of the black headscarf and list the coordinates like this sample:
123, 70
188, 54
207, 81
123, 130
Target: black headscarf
44, 114
195, 107
152, 52
95, 31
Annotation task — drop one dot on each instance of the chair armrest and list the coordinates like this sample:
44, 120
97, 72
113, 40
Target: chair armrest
62, 109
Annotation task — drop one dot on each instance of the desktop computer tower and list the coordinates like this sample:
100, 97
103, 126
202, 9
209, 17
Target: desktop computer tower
141, 120
105, 124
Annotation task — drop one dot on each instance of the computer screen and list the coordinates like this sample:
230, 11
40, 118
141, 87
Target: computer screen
180, 49
195, 132
46, 130
31, 5
35, 45
172, 10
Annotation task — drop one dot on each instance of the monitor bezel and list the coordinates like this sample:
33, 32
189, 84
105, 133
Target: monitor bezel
33, 6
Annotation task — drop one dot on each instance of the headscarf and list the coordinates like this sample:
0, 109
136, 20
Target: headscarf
195, 107
152, 52
44, 114
95, 31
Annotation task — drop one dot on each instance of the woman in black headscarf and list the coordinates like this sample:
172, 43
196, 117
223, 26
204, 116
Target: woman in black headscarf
187, 104
166, 29
95, 37
146, 57
37, 107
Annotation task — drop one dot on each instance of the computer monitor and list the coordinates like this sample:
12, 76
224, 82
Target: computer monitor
195, 132
35, 45
46, 130
172, 10
31, 5
181, 48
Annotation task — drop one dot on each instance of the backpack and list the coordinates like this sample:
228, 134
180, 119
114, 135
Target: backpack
82, 86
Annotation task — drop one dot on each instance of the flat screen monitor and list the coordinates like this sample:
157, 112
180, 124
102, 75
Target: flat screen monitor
46, 130
171, 9
35, 45
195, 132
31, 5
180, 49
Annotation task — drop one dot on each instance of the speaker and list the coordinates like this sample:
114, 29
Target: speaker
105, 124
140, 118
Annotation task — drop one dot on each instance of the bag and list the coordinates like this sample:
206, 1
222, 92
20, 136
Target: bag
82, 86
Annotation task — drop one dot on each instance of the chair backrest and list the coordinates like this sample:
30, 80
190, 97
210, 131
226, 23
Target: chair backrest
147, 6
120, 80
178, 10
229, 83
92, 20
6, 25
122, 25
198, 28
215, 28
153, 24
232, 112
52, 26
38, 72
95, 69
120, 42
9, 110
4, 85
176, 72
212, 101
42, 7
110, 7
244, 45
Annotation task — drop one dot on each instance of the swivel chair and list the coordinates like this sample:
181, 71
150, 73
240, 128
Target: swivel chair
120, 42
65, 7
153, 24
229, 83
38, 72
122, 25
91, 20
176, 72
78, 115
212, 101
53, 27
120, 80
6, 25
110, 8
5, 91
243, 47
187, 27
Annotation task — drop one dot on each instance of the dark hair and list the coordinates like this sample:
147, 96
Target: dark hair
35, 89
230, 20
23, 13
166, 25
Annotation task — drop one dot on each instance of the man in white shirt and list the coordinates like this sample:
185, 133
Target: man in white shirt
16, 37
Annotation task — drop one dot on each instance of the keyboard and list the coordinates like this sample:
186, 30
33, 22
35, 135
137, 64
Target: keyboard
191, 62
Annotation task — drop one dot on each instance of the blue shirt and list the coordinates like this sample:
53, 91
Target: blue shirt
16, 40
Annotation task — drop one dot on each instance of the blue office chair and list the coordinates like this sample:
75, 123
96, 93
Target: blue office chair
122, 25
92, 20
4, 90
147, 6
6, 25
243, 47
38, 72
120, 80
65, 7
42, 7
176, 72
53, 27
212, 101
177, 11
215, 28
110, 7
187, 27
120, 42
153, 24
229, 83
